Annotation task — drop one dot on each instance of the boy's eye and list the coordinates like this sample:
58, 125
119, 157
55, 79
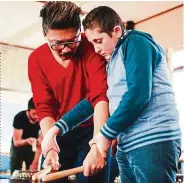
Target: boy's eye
98, 41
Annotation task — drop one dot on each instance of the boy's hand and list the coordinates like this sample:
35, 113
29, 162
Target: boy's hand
102, 143
94, 162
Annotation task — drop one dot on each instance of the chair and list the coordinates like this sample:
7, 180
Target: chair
4, 166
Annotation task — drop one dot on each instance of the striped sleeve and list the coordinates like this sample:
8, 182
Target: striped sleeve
77, 115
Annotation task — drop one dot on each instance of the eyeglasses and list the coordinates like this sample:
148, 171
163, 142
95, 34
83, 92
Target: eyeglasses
69, 44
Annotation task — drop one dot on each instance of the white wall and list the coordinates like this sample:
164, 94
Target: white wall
14, 66
167, 28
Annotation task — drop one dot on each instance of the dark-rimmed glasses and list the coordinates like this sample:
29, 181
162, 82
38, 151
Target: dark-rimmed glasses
69, 44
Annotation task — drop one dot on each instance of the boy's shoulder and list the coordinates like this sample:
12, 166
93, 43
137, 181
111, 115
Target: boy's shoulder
135, 35
133, 38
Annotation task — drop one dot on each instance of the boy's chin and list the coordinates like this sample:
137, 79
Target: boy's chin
107, 57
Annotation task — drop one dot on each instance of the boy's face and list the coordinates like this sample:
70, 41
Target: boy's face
103, 43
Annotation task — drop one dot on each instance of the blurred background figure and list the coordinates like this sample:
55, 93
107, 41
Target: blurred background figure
25, 139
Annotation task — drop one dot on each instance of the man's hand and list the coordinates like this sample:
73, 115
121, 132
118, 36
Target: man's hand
31, 141
94, 162
52, 159
102, 143
49, 143
33, 166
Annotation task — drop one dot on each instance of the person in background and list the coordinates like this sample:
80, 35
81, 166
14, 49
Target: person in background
143, 113
24, 140
62, 72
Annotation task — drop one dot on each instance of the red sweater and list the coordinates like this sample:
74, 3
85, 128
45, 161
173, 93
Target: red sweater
57, 89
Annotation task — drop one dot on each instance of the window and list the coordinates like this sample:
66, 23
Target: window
11, 103
178, 86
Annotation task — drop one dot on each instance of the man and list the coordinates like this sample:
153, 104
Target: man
143, 114
25, 134
62, 72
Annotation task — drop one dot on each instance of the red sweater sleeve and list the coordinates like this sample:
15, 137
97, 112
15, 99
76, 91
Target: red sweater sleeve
96, 70
42, 93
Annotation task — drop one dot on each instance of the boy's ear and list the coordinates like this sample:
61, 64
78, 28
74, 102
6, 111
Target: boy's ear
117, 31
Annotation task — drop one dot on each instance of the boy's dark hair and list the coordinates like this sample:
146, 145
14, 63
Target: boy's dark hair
59, 15
103, 17
31, 104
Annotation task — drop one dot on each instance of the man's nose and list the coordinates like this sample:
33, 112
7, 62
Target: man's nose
66, 49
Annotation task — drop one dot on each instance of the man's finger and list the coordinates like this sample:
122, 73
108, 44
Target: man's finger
86, 170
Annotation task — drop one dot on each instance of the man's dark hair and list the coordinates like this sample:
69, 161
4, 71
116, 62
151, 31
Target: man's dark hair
104, 18
31, 104
60, 15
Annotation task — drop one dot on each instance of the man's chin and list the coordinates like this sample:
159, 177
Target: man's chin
66, 57
34, 121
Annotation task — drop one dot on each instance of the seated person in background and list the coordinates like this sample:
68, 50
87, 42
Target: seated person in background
25, 134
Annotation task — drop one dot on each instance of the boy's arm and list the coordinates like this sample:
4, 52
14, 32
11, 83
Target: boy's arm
77, 115
139, 68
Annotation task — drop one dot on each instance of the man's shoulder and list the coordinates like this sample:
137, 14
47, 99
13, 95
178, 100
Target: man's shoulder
40, 51
19, 117
39, 55
20, 114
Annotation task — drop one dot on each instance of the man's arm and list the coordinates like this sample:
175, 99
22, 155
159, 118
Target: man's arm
17, 138
46, 123
42, 94
96, 69
101, 114
45, 103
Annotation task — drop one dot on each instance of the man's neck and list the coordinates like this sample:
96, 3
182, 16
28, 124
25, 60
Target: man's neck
64, 63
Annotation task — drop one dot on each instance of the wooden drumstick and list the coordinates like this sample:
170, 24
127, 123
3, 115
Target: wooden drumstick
62, 174
39, 175
34, 148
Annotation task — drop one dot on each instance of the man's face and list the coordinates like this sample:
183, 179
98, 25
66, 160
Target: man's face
33, 116
63, 42
103, 43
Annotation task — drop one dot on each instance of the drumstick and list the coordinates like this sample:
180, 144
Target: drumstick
39, 175
34, 148
62, 174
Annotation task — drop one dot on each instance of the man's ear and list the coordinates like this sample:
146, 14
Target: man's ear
117, 31
44, 34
